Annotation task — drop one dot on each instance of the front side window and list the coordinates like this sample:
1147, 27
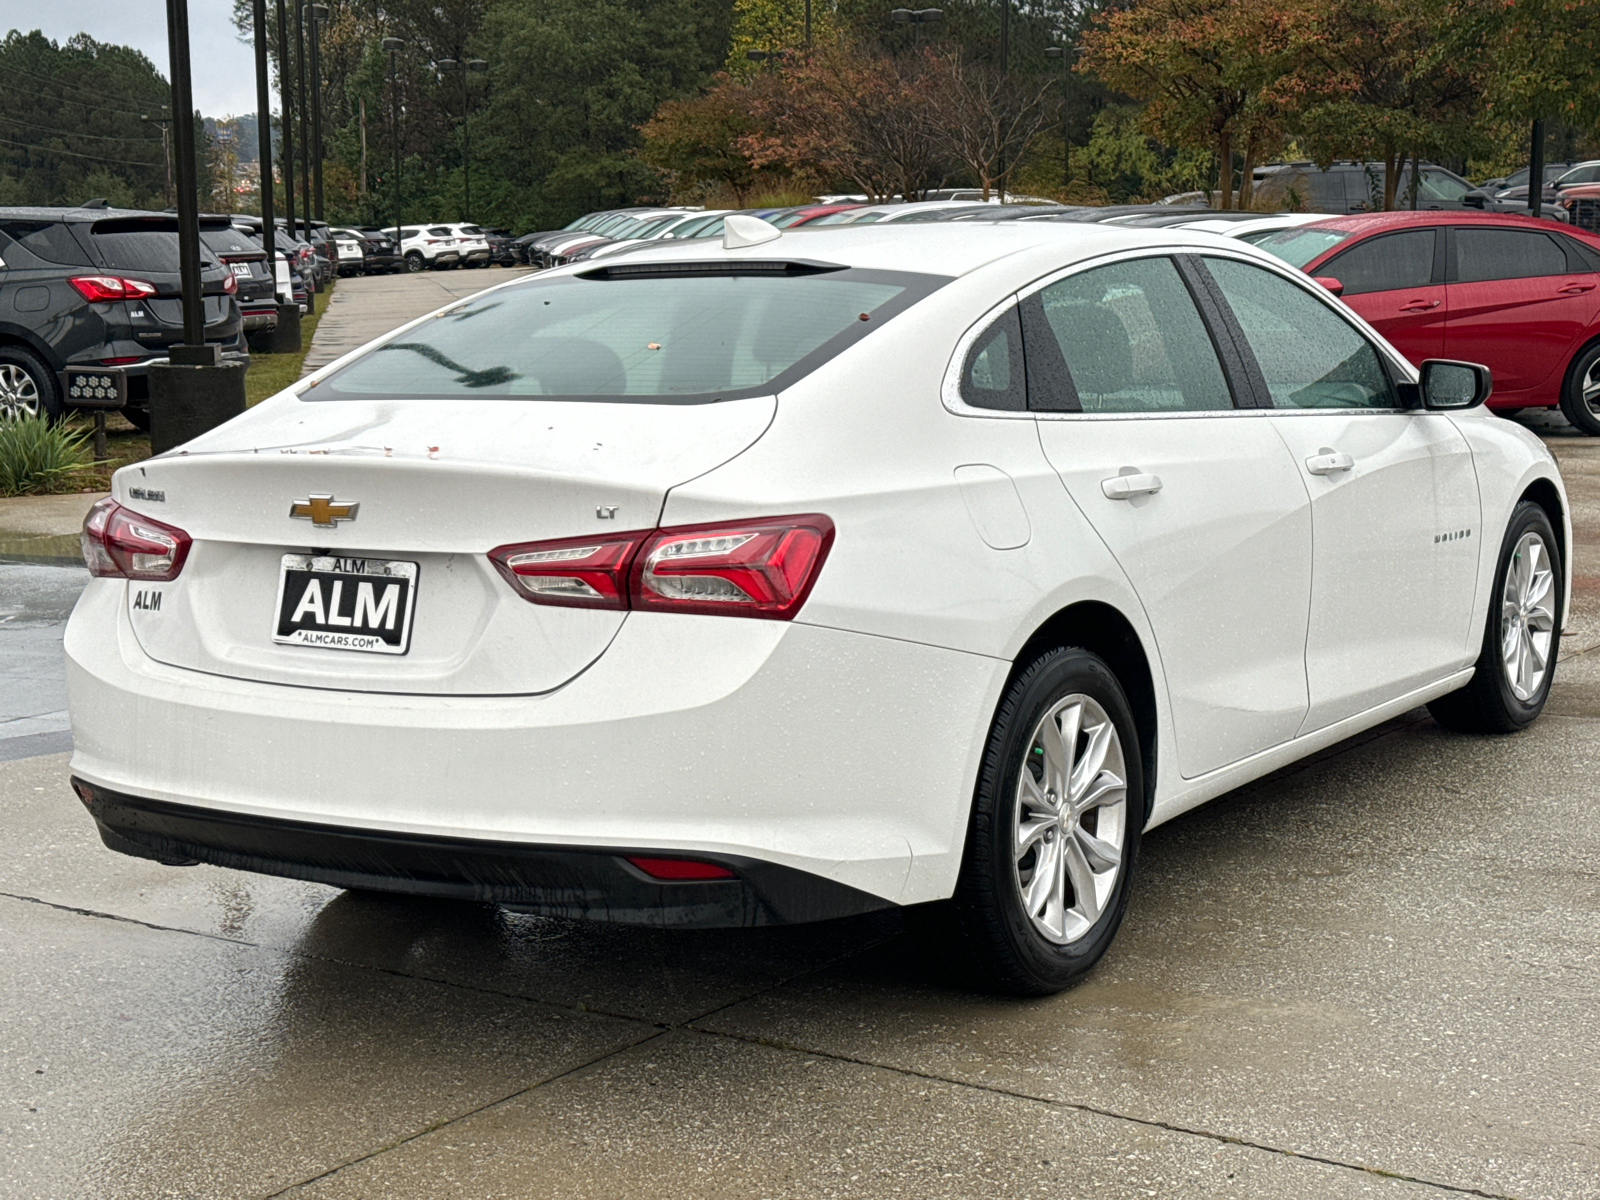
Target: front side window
678, 333
1437, 185
1384, 264
1308, 355
1482, 254
1123, 338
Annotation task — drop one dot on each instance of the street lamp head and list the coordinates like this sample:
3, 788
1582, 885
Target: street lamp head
477, 64
392, 44
1053, 52
447, 64
757, 55
317, 12
900, 16
924, 15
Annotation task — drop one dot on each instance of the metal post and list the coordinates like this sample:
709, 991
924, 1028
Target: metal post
1536, 171
300, 96
194, 313
394, 45
1005, 56
319, 13
284, 337
1416, 178
286, 104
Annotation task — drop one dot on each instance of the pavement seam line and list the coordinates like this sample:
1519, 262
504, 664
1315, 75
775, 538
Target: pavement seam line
1150, 1122
105, 916
449, 1121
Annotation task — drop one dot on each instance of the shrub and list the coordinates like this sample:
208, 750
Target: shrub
36, 456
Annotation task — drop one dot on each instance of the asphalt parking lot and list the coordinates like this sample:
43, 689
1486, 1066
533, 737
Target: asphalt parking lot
1375, 974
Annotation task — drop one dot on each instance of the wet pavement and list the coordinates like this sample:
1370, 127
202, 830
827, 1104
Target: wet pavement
1372, 975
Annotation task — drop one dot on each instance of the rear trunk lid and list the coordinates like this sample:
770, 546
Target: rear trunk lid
438, 484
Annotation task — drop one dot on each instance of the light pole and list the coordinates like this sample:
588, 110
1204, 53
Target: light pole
286, 106
393, 46
916, 17
1536, 170
194, 390
318, 14
1066, 56
465, 67
305, 138
284, 337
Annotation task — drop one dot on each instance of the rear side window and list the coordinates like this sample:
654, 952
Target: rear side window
1483, 254
1385, 264
1130, 340
48, 241
993, 375
1309, 356
684, 334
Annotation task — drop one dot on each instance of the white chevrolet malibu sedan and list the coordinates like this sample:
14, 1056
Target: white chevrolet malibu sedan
802, 575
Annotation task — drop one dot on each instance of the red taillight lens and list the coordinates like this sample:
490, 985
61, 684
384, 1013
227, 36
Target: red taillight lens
747, 569
122, 544
678, 870
110, 287
574, 572
756, 569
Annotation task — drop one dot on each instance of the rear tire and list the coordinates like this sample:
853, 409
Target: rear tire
1062, 778
28, 388
1580, 391
1521, 637
139, 418
414, 262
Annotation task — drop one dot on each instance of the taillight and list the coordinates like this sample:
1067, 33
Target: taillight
755, 569
110, 287
230, 284
574, 572
121, 544
740, 569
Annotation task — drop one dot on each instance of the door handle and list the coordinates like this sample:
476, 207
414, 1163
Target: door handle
1126, 487
1576, 289
1329, 462
1418, 305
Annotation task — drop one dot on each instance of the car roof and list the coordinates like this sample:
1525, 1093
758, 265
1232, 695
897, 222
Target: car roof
46, 213
936, 249
1363, 223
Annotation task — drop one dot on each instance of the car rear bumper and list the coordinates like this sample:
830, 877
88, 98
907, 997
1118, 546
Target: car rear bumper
846, 757
556, 881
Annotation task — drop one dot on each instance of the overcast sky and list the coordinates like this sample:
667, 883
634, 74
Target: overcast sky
223, 67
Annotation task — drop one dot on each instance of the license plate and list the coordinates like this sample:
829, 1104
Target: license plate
342, 603
242, 270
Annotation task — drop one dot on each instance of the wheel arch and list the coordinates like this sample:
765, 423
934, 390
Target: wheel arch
11, 335
1101, 629
1583, 348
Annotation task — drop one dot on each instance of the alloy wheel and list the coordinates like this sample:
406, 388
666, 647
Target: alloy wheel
1071, 819
1589, 387
19, 394
1527, 616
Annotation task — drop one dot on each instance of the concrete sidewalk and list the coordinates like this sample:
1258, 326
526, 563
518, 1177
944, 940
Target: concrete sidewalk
43, 528
365, 307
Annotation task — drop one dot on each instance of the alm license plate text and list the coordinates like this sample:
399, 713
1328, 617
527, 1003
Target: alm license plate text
346, 603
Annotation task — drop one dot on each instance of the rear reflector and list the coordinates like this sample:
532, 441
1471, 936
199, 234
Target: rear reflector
679, 870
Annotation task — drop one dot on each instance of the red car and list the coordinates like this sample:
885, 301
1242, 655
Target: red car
1521, 296
804, 216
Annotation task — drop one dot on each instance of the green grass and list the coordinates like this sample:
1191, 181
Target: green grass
37, 458
269, 374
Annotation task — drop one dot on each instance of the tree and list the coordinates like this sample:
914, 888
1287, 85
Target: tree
695, 141
986, 119
1206, 69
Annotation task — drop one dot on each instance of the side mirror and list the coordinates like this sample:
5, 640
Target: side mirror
1454, 385
1329, 282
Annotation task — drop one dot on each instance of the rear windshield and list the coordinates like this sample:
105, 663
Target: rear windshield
141, 249
629, 336
228, 241
1297, 247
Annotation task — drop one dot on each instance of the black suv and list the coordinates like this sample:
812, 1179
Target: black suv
236, 250
88, 297
1355, 187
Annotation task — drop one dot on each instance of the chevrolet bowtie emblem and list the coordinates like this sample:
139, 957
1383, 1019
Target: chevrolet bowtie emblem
323, 511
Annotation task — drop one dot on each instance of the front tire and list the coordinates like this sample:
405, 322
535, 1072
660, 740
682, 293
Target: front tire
414, 262
1055, 828
1521, 637
1580, 391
